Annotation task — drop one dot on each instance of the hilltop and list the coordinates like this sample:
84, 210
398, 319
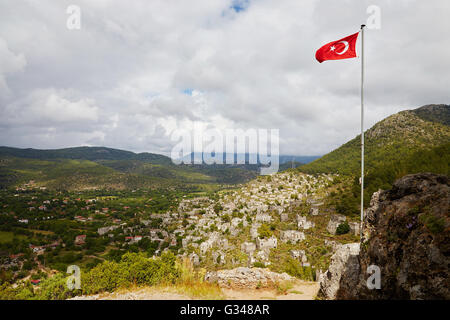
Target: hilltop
410, 141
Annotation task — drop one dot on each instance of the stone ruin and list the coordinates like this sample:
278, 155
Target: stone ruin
354, 228
218, 257
265, 244
335, 221
303, 223
314, 211
263, 217
248, 247
299, 255
292, 235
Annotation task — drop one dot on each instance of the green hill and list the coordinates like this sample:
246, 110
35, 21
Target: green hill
84, 153
99, 167
410, 141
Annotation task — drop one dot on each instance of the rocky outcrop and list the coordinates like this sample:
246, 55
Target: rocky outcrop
343, 262
405, 234
250, 278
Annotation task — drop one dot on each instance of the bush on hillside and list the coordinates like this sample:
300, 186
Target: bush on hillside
343, 228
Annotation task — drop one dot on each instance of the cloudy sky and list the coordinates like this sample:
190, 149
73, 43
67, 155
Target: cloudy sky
137, 70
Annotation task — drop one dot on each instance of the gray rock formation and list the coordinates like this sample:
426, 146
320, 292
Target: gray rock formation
406, 235
344, 260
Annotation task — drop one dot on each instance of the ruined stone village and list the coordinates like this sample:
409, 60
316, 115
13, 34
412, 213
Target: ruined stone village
272, 222
260, 224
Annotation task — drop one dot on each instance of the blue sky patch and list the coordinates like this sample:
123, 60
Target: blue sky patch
239, 5
188, 91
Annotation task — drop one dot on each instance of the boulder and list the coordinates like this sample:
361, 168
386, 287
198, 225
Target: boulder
343, 260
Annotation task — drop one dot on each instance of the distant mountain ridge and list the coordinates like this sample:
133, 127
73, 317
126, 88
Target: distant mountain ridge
102, 167
84, 153
105, 153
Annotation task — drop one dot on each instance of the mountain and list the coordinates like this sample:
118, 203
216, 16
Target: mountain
282, 159
434, 113
84, 153
297, 159
290, 165
410, 141
101, 167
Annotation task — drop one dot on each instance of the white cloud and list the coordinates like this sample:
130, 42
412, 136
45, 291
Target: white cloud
9, 63
119, 81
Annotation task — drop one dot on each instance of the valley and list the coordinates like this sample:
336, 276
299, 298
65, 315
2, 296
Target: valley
133, 221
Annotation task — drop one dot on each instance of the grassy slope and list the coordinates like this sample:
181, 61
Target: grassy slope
406, 142
392, 139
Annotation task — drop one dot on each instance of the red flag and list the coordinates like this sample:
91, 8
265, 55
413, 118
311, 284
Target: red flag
341, 49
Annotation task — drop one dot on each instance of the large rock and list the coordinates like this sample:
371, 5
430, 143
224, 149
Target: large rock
250, 278
406, 234
343, 261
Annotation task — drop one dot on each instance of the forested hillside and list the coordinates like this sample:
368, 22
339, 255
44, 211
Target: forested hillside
410, 141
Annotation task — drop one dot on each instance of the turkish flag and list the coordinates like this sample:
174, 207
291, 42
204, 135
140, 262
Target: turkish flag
340, 49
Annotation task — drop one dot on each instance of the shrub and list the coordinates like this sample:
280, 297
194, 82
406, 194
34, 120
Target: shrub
433, 223
293, 268
283, 287
55, 288
264, 231
258, 264
343, 228
133, 269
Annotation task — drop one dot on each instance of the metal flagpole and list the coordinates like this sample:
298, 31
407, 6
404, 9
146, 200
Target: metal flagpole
362, 128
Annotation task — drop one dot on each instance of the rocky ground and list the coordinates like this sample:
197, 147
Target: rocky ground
300, 290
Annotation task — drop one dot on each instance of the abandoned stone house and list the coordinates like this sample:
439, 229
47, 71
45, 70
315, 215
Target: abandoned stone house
292, 235
335, 221
303, 223
264, 244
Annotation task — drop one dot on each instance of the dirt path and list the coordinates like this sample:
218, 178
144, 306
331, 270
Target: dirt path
300, 291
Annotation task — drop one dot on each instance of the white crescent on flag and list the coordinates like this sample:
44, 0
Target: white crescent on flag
345, 49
